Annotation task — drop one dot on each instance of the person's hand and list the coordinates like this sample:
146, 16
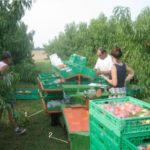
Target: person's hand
104, 77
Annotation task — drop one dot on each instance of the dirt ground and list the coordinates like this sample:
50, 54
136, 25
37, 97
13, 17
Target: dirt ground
39, 55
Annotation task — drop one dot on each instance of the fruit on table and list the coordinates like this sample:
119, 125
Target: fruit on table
27, 92
141, 147
145, 122
148, 147
61, 65
126, 110
20, 92
24, 92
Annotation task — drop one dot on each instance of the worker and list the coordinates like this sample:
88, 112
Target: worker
104, 63
7, 94
120, 74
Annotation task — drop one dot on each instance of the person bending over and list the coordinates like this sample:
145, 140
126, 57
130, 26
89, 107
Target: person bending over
7, 93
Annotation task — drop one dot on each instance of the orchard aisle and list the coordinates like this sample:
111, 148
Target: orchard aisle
39, 55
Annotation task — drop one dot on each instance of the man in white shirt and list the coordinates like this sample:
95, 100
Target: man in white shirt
104, 63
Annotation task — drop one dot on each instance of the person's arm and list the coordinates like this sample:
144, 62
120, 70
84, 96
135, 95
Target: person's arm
4, 69
130, 72
103, 72
96, 65
113, 81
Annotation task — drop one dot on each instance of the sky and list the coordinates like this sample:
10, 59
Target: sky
49, 17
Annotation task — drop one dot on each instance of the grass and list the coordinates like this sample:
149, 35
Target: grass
38, 126
43, 66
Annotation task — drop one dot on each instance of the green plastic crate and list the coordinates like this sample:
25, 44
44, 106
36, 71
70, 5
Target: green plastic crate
75, 90
56, 107
121, 126
53, 86
49, 79
87, 72
103, 138
97, 144
92, 147
133, 90
52, 81
27, 94
77, 101
112, 141
41, 75
53, 96
84, 80
67, 72
56, 104
79, 141
70, 81
46, 76
101, 80
77, 59
133, 143
80, 90
101, 130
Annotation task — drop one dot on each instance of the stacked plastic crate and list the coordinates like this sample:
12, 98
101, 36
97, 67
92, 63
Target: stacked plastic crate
115, 121
140, 142
50, 91
75, 67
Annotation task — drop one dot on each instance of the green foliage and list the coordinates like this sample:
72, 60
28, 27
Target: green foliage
7, 90
20, 118
13, 33
119, 30
27, 72
21, 44
2, 103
